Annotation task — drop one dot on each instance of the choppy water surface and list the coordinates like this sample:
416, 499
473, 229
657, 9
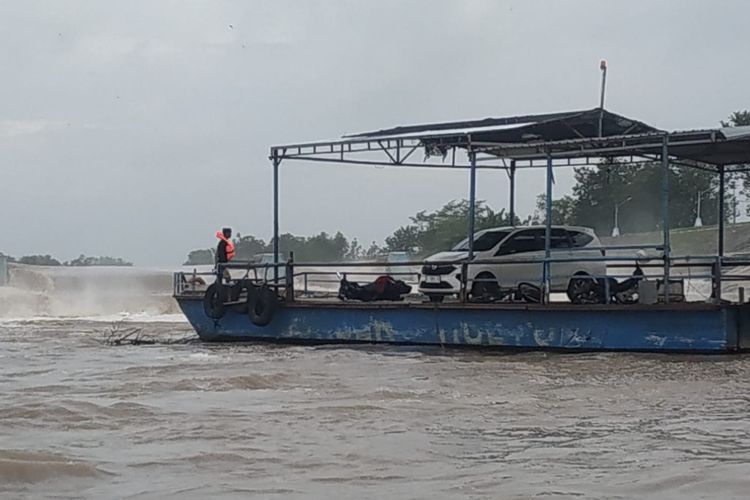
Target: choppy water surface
82, 419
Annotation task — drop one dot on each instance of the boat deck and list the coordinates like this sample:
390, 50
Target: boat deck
417, 302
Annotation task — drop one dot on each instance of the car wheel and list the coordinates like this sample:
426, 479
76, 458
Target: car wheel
436, 298
485, 285
582, 289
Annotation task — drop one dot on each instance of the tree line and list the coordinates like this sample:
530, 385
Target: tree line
80, 261
318, 248
635, 188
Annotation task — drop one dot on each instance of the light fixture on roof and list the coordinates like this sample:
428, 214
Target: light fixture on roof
603, 67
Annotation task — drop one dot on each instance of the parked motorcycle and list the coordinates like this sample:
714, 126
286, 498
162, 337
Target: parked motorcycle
383, 288
587, 290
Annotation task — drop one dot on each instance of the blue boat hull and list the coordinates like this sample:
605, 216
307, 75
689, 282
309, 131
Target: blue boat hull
679, 327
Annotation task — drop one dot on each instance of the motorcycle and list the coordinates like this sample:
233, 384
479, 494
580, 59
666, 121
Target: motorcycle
383, 288
588, 290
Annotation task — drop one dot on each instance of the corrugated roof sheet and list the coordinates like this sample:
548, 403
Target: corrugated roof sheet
548, 127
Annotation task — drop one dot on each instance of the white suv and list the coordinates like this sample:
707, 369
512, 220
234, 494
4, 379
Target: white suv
510, 246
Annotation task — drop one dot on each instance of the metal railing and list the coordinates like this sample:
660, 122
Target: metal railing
308, 275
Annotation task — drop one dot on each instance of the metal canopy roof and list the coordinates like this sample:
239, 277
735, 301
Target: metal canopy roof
572, 134
720, 146
550, 127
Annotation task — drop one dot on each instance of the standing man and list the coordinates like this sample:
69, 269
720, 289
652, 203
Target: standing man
224, 251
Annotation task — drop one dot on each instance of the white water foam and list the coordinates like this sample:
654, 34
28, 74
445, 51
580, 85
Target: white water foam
91, 294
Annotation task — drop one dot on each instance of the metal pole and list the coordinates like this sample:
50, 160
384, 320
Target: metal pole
665, 211
698, 219
513, 192
722, 192
472, 200
603, 67
472, 209
547, 232
276, 162
616, 229
717, 271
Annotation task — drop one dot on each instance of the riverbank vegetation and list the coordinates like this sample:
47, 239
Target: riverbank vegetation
80, 261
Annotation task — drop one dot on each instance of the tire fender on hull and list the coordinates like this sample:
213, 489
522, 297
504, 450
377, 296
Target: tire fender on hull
261, 305
213, 301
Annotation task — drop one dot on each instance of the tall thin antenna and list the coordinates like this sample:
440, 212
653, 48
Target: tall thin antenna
603, 67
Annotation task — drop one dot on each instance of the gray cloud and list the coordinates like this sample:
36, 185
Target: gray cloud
137, 128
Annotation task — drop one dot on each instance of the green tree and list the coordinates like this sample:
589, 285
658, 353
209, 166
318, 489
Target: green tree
430, 232
636, 188
737, 119
245, 247
562, 210
200, 257
355, 250
737, 183
373, 252
39, 260
318, 248
83, 261
405, 238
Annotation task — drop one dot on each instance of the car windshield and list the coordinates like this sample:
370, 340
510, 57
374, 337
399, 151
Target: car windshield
486, 241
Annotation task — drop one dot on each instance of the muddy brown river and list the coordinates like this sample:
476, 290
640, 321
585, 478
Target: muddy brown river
80, 418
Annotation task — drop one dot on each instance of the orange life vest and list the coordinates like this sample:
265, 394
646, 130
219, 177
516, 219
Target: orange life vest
230, 245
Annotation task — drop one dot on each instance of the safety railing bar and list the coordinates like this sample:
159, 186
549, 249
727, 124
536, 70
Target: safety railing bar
597, 258
611, 247
368, 273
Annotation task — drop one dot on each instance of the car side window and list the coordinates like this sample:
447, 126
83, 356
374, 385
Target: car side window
559, 239
530, 240
488, 241
580, 239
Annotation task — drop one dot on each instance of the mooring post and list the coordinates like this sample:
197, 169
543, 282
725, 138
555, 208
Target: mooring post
716, 280
512, 203
547, 232
276, 162
289, 278
665, 211
463, 293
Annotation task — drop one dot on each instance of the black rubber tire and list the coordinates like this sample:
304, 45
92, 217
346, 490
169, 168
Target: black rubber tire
261, 306
583, 289
213, 301
485, 288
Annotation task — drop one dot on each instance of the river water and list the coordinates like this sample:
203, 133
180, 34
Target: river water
82, 418
182, 419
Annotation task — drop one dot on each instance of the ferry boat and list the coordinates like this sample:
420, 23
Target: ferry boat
272, 301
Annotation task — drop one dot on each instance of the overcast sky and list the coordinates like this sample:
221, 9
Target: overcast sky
138, 128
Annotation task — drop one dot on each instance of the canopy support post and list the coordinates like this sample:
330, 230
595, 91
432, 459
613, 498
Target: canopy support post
547, 232
665, 213
472, 200
512, 208
276, 162
722, 192
716, 289
472, 215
